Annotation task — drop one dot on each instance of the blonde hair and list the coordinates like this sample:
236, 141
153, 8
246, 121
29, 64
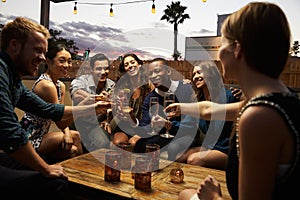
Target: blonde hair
20, 29
262, 30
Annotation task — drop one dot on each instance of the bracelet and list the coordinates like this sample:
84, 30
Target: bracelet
137, 123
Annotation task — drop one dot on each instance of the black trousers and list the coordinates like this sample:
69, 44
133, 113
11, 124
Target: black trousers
18, 181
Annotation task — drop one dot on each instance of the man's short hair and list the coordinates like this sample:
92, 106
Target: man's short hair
161, 60
99, 56
19, 29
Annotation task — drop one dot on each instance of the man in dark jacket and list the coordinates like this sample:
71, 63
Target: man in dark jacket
183, 128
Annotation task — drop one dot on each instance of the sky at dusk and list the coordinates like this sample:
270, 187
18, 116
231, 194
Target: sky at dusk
133, 27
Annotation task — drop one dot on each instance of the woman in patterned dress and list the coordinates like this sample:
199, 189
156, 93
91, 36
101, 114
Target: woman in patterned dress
54, 146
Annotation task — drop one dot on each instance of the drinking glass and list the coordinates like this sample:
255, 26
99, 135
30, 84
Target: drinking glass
112, 166
142, 174
153, 111
126, 151
154, 153
125, 107
124, 102
168, 99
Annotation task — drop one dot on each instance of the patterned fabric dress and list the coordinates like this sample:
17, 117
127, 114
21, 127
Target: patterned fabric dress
288, 106
38, 126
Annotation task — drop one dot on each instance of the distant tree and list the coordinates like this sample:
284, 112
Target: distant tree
295, 48
70, 44
174, 14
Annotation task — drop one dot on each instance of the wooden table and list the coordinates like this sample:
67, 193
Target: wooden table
87, 170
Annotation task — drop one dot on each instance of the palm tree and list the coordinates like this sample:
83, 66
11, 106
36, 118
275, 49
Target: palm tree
174, 14
295, 48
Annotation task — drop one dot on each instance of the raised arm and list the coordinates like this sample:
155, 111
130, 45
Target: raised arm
73, 112
206, 110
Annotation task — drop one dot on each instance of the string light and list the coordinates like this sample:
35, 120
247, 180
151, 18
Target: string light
204, 1
3, 1
111, 12
153, 8
75, 9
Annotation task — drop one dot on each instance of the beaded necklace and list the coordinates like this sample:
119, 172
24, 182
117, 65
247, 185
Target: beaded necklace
258, 101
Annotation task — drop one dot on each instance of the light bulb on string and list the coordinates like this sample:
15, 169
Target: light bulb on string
3, 1
204, 1
75, 9
111, 12
153, 8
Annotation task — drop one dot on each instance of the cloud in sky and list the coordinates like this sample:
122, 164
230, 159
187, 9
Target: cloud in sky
5, 18
147, 43
87, 35
202, 32
159, 25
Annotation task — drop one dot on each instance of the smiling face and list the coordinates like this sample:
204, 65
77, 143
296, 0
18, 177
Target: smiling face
131, 66
30, 55
60, 64
159, 75
198, 77
101, 70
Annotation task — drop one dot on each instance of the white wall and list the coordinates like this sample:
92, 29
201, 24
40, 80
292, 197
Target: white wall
202, 48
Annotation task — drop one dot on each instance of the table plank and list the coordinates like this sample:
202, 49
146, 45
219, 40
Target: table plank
88, 170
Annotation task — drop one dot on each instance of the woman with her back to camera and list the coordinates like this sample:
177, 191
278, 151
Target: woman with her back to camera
264, 156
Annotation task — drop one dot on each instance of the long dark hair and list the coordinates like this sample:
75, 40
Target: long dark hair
53, 49
124, 77
122, 67
213, 81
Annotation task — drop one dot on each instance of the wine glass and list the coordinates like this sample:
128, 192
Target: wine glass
125, 107
124, 103
168, 99
153, 111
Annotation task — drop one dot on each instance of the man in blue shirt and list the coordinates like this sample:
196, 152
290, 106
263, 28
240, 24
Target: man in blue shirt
184, 128
23, 171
